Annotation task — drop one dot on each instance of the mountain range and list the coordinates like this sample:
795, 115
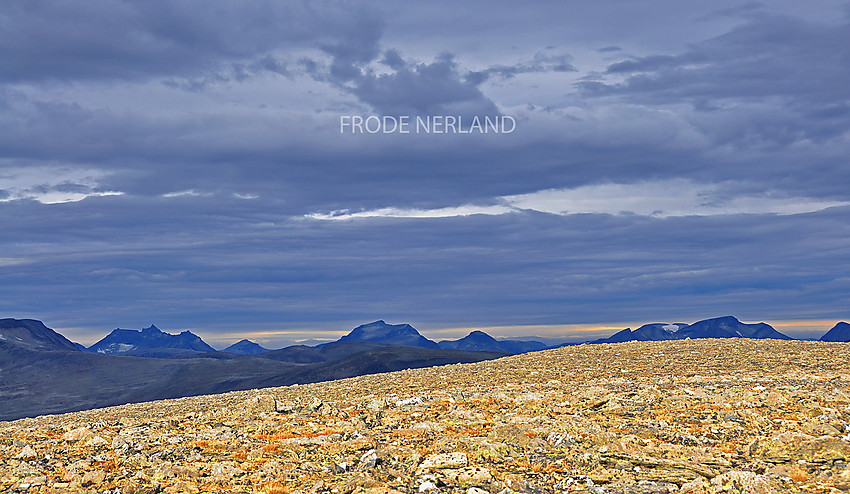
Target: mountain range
719, 327
128, 341
41, 371
152, 342
405, 334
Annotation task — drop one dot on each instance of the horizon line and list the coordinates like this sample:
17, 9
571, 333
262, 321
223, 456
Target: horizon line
571, 332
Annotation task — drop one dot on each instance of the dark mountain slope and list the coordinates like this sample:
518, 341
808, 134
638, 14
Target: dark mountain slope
718, 327
245, 347
42, 382
476, 341
393, 334
34, 335
123, 341
387, 359
522, 346
839, 332
301, 354
647, 332
730, 327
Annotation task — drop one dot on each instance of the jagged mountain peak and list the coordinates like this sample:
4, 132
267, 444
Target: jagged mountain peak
123, 341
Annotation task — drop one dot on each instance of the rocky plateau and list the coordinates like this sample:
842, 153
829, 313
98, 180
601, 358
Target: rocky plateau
686, 416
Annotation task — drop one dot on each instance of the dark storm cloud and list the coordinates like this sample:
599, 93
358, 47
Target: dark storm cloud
766, 56
235, 71
148, 153
57, 40
438, 87
246, 154
435, 88
773, 83
412, 87
354, 51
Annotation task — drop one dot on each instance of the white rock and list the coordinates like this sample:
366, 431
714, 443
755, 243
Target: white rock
444, 460
96, 441
224, 470
427, 484
416, 400
368, 460
26, 453
77, 434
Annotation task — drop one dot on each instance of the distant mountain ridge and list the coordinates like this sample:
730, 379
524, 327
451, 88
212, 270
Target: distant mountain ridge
56, 377
407, 335
480, 341
730, 327
33, 335
647, 332
52, 375
245, 347
392, 334
476, 340
130, 341
152, 342
839, 332
718, 327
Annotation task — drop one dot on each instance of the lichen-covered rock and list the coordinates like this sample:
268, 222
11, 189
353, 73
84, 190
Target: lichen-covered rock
741, 482
78, 434
444, 460
27, 453
842, 480
93, 477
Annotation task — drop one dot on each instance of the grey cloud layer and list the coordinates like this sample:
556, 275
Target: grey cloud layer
788, 72
231, 110
207, 265
47, 40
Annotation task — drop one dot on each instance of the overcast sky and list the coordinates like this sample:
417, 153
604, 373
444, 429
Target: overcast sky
181, 163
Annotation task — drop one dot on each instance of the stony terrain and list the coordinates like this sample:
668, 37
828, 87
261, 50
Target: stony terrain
700, 416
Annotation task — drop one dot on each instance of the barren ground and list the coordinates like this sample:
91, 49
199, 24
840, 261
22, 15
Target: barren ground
701, 416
